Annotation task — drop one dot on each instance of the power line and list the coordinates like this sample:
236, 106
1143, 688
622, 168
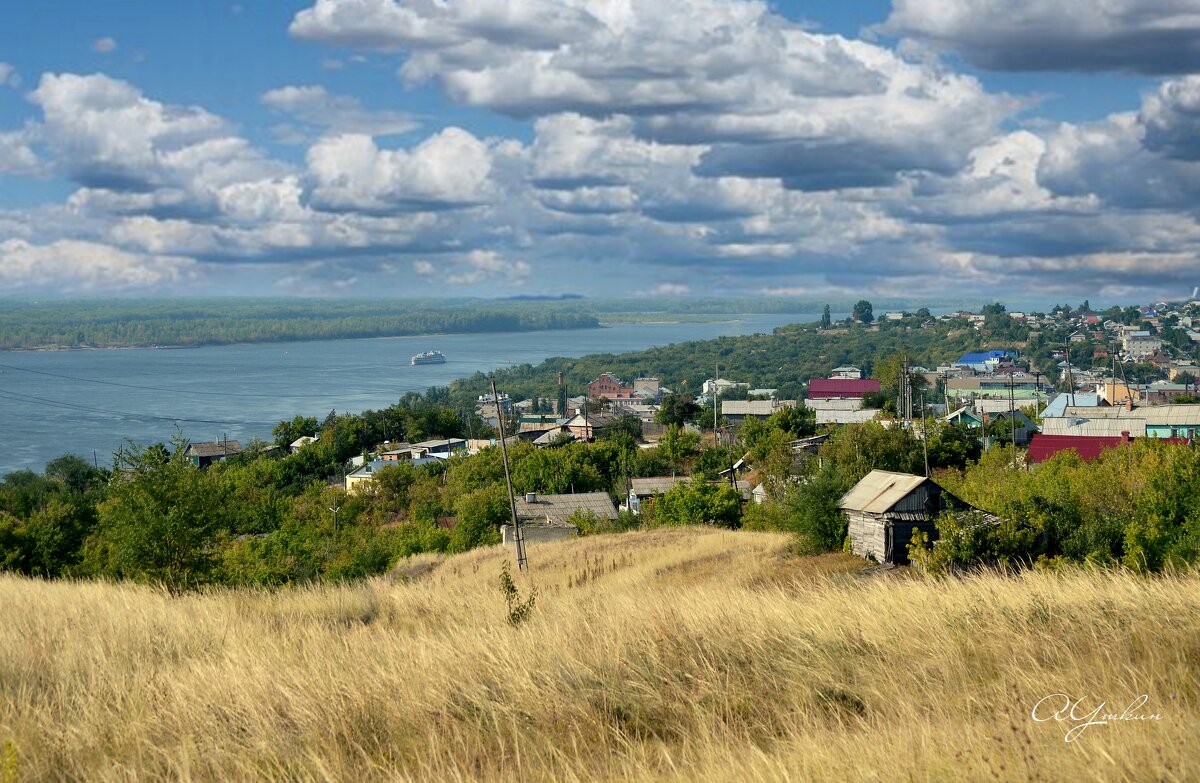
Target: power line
17, 397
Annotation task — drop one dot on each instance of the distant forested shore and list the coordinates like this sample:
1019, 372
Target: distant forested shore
61, 324
82, 324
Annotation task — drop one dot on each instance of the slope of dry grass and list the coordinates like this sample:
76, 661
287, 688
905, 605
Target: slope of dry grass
681, 655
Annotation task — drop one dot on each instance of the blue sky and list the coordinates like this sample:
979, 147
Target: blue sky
608, 147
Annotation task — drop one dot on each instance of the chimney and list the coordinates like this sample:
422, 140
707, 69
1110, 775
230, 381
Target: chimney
1128, 401
531, 497
1125, 436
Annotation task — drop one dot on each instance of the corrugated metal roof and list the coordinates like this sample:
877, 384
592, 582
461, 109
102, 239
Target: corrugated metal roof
1043, 447
557, 509
1103, 412
842, 387
1100, 427
214, 449
754, 407
861, 416
660, 485
1172, 415
656, 485
1058, 406
979, 358
879, 490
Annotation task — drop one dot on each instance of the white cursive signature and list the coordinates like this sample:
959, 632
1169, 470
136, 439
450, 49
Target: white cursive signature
1062, 708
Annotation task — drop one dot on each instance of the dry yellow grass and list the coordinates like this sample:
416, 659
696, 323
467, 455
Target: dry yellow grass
680, 656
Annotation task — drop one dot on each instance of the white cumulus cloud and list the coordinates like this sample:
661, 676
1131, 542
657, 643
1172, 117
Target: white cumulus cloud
448, 170
1147, 36
71, 265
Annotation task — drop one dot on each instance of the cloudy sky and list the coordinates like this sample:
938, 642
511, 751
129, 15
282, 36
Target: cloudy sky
1019, 149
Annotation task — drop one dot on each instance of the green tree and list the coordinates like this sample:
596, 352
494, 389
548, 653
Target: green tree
678, 445
813, 512
798, 421
161, 521
863, 311
480, 514
288, 432
826, 318
697, 503
676, 410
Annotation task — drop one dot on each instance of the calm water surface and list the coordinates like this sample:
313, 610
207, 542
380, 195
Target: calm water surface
86, 402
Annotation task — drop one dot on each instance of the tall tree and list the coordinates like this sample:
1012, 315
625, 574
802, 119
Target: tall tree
160, 522
826, 318
863, 311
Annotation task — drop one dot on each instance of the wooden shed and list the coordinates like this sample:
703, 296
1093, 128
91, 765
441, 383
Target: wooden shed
885, 509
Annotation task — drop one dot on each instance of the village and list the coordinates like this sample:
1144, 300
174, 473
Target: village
1098, 384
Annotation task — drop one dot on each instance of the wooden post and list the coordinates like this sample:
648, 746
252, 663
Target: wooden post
518, 538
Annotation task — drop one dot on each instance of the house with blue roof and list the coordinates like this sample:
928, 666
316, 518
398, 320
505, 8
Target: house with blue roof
1058, 406
987, 361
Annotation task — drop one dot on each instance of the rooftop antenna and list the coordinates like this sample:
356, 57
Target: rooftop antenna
518, 536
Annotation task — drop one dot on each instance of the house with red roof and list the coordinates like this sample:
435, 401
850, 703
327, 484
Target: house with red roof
1088, 447
842, 388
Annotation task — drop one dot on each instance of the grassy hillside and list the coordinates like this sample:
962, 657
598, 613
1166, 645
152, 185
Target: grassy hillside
681, 655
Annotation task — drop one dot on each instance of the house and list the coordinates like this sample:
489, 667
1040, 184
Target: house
1173, 422
720, 386
585, 426
301, 442
642, 490
360, 480
1163, 392
547, 517
616, 392
204, 454
737, 411
981, 413
1140, 345
606, 384
846, 373
647, 384
1058, 406
842, 417
985, 361
1114, 393
441, 447
843, 389
1043, 447
1010, 422
1103, 421
1186, 369
885, 509
537, 421
395, 452
964, 417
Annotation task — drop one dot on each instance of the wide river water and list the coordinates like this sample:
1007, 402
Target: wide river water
89, 402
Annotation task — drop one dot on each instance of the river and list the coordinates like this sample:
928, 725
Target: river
89, 402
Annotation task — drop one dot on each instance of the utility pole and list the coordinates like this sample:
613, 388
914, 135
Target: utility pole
716, 405
1012, 417
924, 434
518, 537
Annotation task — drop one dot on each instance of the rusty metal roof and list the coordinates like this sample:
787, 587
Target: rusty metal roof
879, 490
